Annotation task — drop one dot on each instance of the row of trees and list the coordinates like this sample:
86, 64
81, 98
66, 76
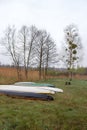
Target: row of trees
31, 47
28, 47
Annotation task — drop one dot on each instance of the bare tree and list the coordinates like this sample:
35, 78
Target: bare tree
51, 55
45, 52
27, 37
41, 39
9, 42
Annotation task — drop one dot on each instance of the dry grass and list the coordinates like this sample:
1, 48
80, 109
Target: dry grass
8, 75
8, 72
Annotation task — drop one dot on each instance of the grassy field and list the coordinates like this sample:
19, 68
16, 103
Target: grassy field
68, 111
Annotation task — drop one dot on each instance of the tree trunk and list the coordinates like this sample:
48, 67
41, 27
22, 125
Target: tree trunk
71, 75
40, 72
18, 73
26, 73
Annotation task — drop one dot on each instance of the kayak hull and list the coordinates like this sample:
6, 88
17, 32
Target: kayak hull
27, 95
26, 89
39, 85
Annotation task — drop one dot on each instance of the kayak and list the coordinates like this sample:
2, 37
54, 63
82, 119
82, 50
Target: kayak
39, 85
26, 89
24, 83
33, 84
27, 95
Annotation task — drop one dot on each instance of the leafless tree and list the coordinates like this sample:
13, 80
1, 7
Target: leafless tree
27, 38
9, 42
40, 41
51, 55
45, 52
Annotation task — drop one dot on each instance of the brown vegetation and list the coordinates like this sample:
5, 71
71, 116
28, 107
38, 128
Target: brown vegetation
8, 75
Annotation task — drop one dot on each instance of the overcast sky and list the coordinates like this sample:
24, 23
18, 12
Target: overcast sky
51, 15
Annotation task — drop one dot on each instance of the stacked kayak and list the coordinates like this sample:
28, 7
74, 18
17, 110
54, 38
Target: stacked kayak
30, 90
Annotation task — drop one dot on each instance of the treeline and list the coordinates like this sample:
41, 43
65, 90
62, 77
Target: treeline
63, 71
30, 47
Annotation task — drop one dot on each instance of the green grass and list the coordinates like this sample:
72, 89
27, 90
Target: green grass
68, 111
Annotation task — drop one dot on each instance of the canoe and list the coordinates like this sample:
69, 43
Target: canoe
39, 85
27, 95
26, 89
33, 84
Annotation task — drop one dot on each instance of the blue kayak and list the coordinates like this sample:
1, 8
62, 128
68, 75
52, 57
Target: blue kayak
27, 95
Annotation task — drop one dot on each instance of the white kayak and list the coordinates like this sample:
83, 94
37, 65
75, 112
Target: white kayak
39, 85
26, 89
52, 89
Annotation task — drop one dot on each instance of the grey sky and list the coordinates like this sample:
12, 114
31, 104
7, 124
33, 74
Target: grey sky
52, 15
